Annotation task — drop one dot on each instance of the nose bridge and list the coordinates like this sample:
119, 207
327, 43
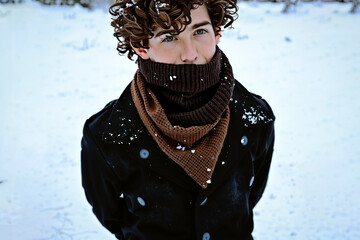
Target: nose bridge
189, 51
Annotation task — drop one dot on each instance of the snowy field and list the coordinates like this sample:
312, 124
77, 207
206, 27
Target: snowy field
58, 66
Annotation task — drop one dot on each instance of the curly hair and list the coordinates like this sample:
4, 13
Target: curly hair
135, 20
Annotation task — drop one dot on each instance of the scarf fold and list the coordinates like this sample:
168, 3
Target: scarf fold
192, 138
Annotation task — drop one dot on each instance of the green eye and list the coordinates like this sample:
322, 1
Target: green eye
168, 39
200, 31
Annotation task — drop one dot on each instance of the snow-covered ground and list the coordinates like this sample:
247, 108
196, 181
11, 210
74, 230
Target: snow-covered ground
58, 66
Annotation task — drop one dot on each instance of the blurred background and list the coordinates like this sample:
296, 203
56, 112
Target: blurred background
59, 65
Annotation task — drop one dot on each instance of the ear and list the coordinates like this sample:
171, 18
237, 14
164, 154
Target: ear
142, 52
217, 35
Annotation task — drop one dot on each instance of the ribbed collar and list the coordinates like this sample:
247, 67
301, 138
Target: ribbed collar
182, 78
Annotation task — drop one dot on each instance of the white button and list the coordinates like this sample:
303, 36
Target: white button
206, 236
244, 140
203, 202
141, 201
251, 181
144, 153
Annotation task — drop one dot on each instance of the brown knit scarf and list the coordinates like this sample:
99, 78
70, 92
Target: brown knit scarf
195, 148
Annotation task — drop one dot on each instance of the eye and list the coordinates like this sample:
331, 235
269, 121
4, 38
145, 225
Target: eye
201, 31
169, 39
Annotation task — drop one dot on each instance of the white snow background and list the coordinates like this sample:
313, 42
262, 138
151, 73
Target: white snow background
59, 65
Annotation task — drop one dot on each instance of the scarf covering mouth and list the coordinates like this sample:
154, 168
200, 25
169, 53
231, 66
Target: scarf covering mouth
191, 94
197, 146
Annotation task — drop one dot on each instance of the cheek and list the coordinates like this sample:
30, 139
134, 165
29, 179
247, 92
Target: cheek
208, 49
162, 54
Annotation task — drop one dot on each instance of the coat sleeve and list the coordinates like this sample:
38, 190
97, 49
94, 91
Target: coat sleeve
101, 185
262, 165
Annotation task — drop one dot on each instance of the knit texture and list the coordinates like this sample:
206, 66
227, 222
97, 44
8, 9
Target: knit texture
191, 94
196, 149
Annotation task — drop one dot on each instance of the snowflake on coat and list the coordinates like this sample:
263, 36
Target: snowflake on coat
252, 115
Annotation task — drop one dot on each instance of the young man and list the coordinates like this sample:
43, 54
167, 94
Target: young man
185, 152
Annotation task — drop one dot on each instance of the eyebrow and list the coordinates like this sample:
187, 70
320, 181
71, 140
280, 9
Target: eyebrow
172, 31
201, 24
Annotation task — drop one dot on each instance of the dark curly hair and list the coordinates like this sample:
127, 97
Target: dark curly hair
135, 20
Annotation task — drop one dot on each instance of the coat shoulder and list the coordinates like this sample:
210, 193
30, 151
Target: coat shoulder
98, 123
252, 109
95, 122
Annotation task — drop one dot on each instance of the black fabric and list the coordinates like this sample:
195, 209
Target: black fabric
147, 196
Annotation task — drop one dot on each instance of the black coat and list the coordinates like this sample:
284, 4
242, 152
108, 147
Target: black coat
137, 192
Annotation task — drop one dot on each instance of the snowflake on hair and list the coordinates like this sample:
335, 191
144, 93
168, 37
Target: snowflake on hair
159, 5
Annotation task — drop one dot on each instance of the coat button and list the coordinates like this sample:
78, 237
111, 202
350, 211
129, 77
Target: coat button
144, 153
203, 202
244, 140
141, 201
251, 181
206, 236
